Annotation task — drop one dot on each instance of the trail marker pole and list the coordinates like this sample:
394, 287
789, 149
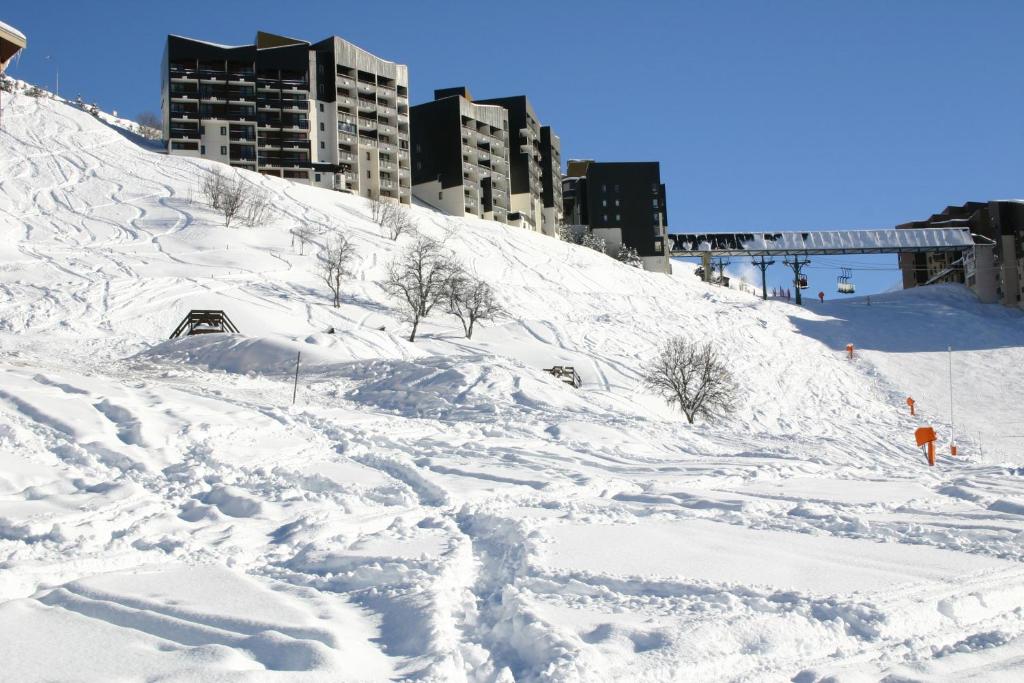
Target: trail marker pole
952, 435
295, 390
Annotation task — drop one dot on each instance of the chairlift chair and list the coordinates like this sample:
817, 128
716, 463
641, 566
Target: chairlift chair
844, 283
802, 282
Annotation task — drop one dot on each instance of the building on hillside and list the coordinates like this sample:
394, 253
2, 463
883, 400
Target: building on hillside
532, 153
329, 113
551, 181
460, 155
995, 272
12, 41
623, 202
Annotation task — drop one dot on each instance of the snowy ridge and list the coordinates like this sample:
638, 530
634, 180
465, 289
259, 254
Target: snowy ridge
445, 510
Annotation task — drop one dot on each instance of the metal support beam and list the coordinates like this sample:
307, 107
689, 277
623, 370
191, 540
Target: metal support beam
705, 262
763, 265
797, 264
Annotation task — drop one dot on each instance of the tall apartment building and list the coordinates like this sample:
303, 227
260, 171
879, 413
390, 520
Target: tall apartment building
624, 202
460, 155
329, 113
994, 270
551, 181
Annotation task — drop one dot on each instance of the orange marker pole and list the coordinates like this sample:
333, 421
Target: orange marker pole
926, 436
952, 449
931, 454
849, 351
910, 402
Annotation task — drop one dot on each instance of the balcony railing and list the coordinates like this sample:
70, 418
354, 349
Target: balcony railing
367, 123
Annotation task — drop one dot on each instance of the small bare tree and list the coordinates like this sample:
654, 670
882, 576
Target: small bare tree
150, 125
397, 221
695, 377
471, 299
304, 235
378, 210
334, 264
419, 279
235, 197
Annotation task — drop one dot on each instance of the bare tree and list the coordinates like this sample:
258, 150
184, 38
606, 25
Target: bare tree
419, 279
471, 299
378, 210
235, 198
695, 377
150, 125
398, 221
334, 264
304, 234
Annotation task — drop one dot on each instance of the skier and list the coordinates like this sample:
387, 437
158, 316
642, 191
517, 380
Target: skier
821, 297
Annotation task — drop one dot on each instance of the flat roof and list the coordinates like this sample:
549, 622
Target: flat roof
888, 241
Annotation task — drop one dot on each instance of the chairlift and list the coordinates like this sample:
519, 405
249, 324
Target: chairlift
844, 283
802, 282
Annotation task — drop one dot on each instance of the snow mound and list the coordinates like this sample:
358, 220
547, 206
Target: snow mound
472, 388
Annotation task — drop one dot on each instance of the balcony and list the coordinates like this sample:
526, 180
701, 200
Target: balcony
346, 157
244, 138
345, 101
368, 124
345, 81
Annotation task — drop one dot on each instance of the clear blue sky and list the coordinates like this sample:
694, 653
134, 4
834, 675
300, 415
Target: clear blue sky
796, 114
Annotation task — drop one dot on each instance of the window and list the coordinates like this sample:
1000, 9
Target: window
367, 156
419, 165
321, 144
616, 202
654, 203
618, 217
317, 176
440, 195
223, 130
604, 218
367, 174
616, 187
604, 202
202, 149
202, 130
223, 151
321, 109
604, 188
321, 126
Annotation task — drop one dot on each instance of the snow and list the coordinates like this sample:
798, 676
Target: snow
445, 510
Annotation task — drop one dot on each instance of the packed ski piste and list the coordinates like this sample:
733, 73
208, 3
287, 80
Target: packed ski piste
444, 509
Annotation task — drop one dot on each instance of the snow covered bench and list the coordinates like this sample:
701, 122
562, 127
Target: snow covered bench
567, 374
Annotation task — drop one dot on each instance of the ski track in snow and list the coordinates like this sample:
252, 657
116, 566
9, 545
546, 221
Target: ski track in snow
444, 510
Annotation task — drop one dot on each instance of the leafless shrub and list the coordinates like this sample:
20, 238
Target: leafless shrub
235, 198
378, 210
150, 125
419, 279
334, 264
694, 377
303, 235
471, 299
398, 221
629, 256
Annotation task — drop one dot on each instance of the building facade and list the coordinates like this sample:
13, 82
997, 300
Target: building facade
624, 202
328, 114
460, 155
995, 272
551, 181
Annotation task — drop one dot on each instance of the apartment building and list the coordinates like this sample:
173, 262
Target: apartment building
328, 114
624, 202
460, 155
551, 181
994, 269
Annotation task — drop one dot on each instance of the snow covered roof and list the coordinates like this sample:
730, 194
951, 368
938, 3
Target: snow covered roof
16, 35
206, 42
824, 242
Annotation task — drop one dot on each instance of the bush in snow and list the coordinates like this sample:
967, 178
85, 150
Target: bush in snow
579, 234
7, 84
629, 256
471, 299
695, 377
333, 264
304, 235
420, 279
150, 125
34, 91
592, 241
235, 198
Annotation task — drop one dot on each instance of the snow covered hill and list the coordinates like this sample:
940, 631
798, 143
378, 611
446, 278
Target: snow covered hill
445, 510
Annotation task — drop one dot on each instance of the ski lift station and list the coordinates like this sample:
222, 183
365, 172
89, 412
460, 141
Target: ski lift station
12, 41
797, 247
